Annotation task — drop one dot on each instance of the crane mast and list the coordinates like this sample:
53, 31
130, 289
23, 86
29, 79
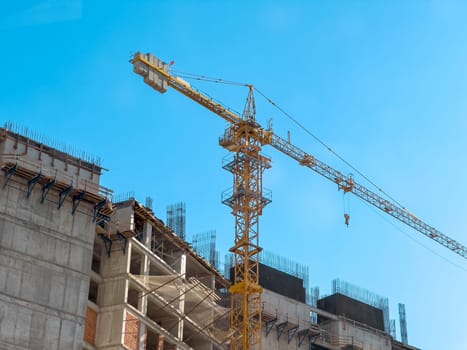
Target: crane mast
245, 138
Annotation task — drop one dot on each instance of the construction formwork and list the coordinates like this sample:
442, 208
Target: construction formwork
365, 296
268, 260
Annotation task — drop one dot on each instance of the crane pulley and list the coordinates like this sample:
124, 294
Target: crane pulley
245, 138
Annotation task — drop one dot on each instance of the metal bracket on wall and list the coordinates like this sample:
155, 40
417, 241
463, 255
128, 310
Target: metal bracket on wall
302, 335
8, 174
32, 183
317, 347
290, 333
139, 236
123, 239
63, 194
76, 200
46, 188
97, 208
312, 338
102, 219
107, 243
280, 328
269, 324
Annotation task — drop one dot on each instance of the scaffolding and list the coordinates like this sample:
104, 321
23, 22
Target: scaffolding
365, 296
176, 214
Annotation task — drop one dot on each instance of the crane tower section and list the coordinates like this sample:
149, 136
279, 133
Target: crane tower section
247, 200
244, 138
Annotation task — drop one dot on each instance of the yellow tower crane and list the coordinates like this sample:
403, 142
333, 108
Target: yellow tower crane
245, 138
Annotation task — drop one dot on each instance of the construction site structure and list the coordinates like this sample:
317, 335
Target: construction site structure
244, 138
139, 299
150, 290
79, 272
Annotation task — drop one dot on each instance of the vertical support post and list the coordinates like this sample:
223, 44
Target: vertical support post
147, 234
182, 298
144, 271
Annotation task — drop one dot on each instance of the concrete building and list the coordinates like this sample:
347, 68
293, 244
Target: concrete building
78, 272
48, 203
150, 289
343, 323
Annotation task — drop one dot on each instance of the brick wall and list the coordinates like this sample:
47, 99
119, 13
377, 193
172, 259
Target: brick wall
132, 324
90, 327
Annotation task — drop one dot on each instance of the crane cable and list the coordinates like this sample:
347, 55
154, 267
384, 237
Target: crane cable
294, 120
413, 239
304, 128
209, 79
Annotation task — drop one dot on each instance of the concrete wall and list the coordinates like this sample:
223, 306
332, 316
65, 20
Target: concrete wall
364, 337
45, 255
111, 298
286, 309
336, 333
44, 271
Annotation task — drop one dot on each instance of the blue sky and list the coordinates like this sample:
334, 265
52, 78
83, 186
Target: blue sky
383, 83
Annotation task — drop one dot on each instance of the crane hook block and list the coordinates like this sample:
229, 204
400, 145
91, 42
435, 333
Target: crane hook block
347, 219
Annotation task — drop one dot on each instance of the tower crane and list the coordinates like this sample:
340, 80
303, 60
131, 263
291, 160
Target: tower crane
245, 137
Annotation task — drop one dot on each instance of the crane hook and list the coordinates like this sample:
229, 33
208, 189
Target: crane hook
347, 219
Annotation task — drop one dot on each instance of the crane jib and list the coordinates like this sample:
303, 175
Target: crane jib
368, 196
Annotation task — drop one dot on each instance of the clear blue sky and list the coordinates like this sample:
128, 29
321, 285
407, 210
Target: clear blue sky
384, 83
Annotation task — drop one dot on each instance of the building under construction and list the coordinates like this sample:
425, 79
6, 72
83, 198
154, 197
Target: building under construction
80, 271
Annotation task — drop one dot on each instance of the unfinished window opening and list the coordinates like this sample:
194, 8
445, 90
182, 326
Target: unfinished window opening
135, 264
162, 315
157, 245
173, 259
155, 270
196, 341
93, 290
133, 297
139, 228
154, 340
96, 258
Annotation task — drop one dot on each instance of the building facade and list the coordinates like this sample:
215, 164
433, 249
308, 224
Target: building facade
79, 272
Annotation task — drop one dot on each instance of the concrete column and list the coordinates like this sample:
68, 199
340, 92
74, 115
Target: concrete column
212, 282
147, 234
182, 297
143, 301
